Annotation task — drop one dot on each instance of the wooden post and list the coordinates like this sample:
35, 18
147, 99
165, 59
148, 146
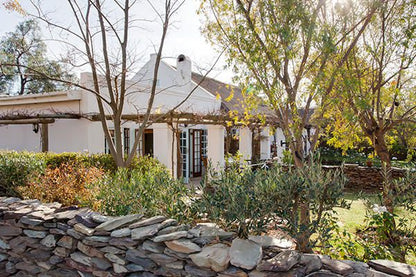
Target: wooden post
44, 137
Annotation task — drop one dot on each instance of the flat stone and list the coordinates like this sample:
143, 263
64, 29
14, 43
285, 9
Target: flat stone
206, 233
170, 252
28, 267
96, 241
49, 224
172, 229
245, 254
168, 223
35, 234
123, 242
19, 244
125, 232
75, 234
311, 262
139, 258
195, 271
55, 260
89, 251
282, 262
99, 218
323, 273
3, 257
394, 268
153, 247
67, 242
178, 265
266, 241
171, 236
114, 258
148, 221
134, 268
112, 250
42, 216
86, 220
4, 245
57, 231
374, 273
62, 252
118, 222
162, 259
69, 214
81, 258
183, 246
337, 266
100, 263
215, 257
119, 269
83, 229
11, 200
9, 231
30, 221
359, 267
232, 272
10, 267
41, 255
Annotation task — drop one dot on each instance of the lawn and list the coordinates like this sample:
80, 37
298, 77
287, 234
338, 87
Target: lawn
353, 219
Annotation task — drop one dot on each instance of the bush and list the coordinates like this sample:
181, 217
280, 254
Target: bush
246, 202
66, 184
147, 189
18, 169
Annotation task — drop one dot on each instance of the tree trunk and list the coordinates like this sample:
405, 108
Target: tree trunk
382, 151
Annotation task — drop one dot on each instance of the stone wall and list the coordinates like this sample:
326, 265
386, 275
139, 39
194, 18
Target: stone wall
47, 240
365, 178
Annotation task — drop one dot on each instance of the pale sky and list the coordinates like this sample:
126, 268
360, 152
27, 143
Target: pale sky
184, 36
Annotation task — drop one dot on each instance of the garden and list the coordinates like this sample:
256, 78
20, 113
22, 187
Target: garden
343, 225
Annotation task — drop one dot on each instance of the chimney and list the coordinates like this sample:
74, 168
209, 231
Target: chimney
184, 70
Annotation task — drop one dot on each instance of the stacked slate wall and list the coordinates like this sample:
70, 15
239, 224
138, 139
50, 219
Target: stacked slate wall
48, 240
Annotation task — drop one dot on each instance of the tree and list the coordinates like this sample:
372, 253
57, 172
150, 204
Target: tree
13, 5
376, 86
99, 36
290, 51
24, 62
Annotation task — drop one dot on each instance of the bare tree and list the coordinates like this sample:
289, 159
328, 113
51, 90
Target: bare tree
100, 38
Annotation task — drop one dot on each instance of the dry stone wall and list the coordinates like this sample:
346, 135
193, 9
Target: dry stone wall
48, 240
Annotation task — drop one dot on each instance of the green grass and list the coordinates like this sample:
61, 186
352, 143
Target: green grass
353, 219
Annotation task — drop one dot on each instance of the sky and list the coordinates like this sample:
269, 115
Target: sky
184, 36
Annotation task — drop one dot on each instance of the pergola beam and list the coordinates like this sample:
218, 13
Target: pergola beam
26, 121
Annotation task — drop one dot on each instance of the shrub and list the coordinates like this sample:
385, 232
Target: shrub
66, 184
147, 189
246, 201
18, 169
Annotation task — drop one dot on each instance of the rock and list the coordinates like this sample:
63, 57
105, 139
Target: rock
62, 252
86, 220
153, 247
183, 246
215, 257
57, 231
89, 251
49, 241
55, 260
375, 273
142, 233
9, 231
245, 254
35, 234
394, 268
323, 273
30, 268
83, 229
138, 258
175, 265
40, 255
311, 262
3, 257
282, 262
118, 222
99, 218
49, 224
75, 234
168, 223
67, 242
266, 241
100, 263
10, 267
96, 241
337, 266
81, 258
119, 269
30, 221
123, 242
69, 214
172, 229
175, 254
4, 245
359, 267
19, 244
162, 259
195, 271
206, 233
149, 221
125, 232
134, 267
114, 258
111, 249
171, 236
232, 272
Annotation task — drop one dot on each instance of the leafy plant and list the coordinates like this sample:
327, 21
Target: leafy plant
66, 184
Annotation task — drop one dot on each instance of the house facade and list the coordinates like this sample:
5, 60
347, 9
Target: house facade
67, 121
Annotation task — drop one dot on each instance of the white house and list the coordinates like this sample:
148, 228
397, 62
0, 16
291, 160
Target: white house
65, 120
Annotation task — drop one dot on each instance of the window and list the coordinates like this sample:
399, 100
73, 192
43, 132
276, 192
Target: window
126, 137
106, 145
